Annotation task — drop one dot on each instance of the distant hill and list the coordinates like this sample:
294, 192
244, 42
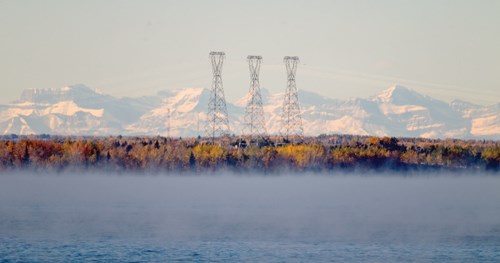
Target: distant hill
396, 111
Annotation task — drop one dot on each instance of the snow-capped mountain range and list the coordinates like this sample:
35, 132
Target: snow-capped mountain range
396, 111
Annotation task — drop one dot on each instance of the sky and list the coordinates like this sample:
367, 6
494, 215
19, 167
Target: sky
444, 49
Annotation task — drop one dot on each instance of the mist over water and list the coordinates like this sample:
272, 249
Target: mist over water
249, 218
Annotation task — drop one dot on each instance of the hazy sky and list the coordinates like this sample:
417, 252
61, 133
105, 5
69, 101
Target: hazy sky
444, 49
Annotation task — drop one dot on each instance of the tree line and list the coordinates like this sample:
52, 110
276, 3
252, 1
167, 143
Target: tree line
322, 153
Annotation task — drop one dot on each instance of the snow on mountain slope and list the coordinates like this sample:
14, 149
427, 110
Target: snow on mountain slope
484, 121
244, 100
346, 123
486, 126
70, 110
400, 95
186, 109
421, 116
396, 111
16, 125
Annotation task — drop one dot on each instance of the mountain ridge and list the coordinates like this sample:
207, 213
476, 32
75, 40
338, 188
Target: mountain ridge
395, 111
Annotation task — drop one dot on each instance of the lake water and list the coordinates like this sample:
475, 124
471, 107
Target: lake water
335, 218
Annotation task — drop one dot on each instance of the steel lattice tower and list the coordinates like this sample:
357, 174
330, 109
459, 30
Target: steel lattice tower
254, 123
290, 116
217, 120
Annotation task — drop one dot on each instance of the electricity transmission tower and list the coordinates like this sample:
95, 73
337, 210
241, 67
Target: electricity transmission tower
254, 123
290, 116
217, 122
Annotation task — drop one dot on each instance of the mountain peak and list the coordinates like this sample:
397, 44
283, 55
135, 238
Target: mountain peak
54, 95
387, 94
65, 89
398, 94
79, 87
398, 88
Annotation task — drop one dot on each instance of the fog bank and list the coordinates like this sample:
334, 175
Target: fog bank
175, 208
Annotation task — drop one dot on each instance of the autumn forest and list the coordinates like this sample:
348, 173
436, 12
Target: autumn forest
322, 153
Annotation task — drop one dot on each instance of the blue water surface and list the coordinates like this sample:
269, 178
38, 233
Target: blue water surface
329, 218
